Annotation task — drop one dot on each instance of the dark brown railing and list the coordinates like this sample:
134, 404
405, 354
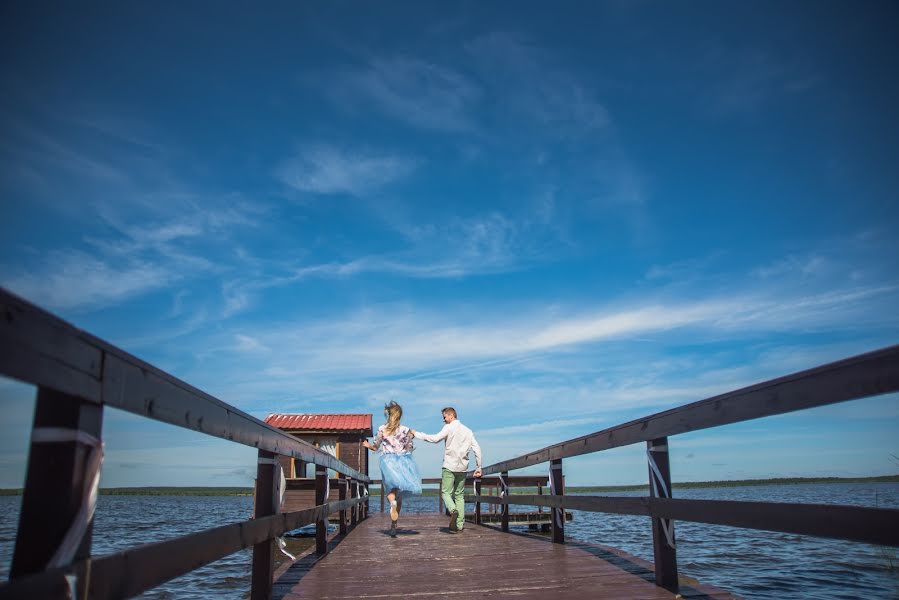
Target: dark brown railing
77, 375
861, 376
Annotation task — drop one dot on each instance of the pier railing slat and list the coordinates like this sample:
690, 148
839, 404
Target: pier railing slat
131, 572
852, 523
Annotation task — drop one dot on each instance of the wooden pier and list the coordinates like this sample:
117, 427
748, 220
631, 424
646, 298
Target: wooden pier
426, 561
78, 376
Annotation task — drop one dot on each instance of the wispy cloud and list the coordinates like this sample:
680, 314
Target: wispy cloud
534, 87
325, 169
73, 279
421, 93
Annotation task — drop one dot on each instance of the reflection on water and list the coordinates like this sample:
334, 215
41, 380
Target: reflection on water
754, 564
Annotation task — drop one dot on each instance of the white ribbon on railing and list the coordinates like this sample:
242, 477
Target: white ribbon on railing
557, 512
280, 485
72, 539
502, 481
667, 525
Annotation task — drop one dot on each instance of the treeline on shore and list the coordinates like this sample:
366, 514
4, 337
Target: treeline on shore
248, 491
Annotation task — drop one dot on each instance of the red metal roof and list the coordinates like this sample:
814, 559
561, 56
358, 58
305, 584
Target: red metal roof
330, 423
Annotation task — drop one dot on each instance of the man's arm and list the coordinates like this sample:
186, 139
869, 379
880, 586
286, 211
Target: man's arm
477, 455
433, 438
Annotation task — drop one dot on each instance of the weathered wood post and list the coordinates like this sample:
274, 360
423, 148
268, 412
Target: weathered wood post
263, 565
65, 440
364, 508
557, 486
344, 483
506, 489
321, 526
663, 543
382, 496
476, 485
439, 501
354, 512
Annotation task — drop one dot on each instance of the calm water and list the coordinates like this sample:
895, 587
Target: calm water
754, 564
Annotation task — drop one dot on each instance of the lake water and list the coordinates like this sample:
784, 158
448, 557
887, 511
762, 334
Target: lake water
753, 564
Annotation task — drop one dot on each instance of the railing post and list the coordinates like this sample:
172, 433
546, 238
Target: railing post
440, 509
321, 526
354, 512
365, 506
506, 489
663, 543
557, 486
476, 486
382, 496
263, 565
65, 438
344, 483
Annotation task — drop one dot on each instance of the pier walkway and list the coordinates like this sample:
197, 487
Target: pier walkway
426, 561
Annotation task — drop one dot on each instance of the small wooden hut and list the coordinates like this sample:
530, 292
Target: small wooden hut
340, 435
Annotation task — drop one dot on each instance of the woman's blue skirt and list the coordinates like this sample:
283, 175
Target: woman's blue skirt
399, 472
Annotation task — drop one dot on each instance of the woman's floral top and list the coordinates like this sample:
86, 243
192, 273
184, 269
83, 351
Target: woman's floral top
398, 443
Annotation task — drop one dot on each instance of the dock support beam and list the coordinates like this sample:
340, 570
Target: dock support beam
263, 565
55, 482
321, 526
557, 486
663, 543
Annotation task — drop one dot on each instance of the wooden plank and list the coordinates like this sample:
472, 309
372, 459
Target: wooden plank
263, 563
131, 572
480, 562
39, 348
860, 376
504, 523
663, 539
557, 484
55, 484
852, 523
321, 496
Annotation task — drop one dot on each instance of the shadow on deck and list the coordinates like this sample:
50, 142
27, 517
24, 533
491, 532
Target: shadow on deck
426, 560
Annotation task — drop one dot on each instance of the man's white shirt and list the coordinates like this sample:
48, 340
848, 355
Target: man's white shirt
459, 439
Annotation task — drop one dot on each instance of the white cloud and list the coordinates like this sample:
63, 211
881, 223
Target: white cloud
420, 93
534, 87
73, 279
328, 170
246, 343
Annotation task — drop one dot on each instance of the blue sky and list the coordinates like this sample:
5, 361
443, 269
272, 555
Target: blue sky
556, 219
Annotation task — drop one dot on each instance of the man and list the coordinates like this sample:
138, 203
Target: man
459, 440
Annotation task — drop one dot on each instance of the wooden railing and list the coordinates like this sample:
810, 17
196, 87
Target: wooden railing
77, 375
861, 376
491, 482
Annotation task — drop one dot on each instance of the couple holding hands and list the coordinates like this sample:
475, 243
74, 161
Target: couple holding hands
399, 473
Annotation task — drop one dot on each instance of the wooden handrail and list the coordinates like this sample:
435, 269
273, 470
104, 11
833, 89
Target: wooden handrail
39, 348
853, 523
869, 374
131, 572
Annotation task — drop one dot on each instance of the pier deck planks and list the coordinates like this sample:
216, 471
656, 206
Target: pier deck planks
426, 561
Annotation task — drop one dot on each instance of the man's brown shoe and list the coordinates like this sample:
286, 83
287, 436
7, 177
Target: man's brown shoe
453, 517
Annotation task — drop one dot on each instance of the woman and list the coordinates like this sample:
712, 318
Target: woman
399, 474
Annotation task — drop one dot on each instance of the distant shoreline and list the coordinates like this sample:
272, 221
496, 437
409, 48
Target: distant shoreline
248, 491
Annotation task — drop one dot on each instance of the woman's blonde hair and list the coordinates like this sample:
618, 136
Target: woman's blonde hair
394, 414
